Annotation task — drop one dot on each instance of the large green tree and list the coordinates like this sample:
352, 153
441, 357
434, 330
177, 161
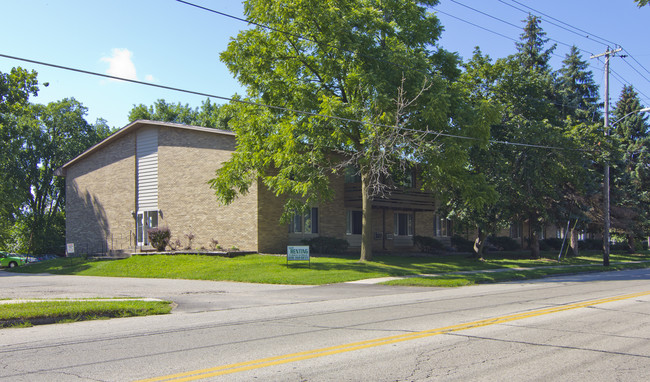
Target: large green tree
207, 115
631, 175
577, 92
530, 178
372, 64
36, 140
49, 136
15, 89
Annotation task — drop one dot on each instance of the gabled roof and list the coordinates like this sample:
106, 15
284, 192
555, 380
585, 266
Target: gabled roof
131, 127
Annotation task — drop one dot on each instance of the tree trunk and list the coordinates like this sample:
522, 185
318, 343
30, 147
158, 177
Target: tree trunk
366, 222
631, 246
479, 244
574, 242
534, 245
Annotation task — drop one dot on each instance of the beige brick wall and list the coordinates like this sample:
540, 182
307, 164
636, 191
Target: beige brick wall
100, 195
273, 236
187, 160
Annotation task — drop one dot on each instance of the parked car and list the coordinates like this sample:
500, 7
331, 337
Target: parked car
10, 260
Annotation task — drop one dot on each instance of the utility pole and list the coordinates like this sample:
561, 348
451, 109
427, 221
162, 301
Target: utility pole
606, 217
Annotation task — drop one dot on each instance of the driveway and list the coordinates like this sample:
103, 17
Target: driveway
190, 295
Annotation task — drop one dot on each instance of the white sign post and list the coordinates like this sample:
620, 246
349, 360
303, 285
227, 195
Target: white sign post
69, 249
298, 253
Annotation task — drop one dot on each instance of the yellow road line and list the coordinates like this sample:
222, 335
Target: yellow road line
287, 358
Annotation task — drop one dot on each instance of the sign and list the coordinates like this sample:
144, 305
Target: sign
298, 253
69, 248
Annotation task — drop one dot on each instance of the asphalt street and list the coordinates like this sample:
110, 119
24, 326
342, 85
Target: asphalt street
592, 327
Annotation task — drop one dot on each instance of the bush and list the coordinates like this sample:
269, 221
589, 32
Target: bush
589, 244
427, 244
325, 244
553, 243
461, 244
159, 237
504, 243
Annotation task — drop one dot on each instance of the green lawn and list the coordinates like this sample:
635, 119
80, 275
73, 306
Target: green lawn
47, 312
324, 270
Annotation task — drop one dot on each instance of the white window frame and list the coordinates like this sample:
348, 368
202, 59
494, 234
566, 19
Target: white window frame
398, 216
145, 220
349, 225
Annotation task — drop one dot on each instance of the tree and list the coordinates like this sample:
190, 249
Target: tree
577, 91
529, 179
631, 176
374, 65
15, 89
44, 139
530, 49
577, 100
208, 115
642, 2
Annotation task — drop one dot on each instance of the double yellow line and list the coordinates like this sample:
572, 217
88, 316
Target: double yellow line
316, 353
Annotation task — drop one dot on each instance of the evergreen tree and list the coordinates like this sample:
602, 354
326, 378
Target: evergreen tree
576, 90
530, 50
631, 175
635, 125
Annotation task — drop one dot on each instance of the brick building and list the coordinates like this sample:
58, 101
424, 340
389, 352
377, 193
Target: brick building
155, 174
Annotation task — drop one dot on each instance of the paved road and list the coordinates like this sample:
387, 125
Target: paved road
346, 332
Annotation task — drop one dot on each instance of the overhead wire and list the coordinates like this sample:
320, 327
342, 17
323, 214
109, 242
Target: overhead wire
511, 24
280, 108
367, 56
587, 36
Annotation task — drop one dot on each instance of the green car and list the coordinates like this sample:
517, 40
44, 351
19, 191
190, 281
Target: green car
11, 261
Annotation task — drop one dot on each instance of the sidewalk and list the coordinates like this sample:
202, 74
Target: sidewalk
379, 280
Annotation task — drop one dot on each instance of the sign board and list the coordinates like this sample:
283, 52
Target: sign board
69, 248
298, 253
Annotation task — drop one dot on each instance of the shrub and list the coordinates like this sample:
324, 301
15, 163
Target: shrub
325, 244
427, 244
159, 237
190, 237
504, 243
461, 244
590, 244
553, 243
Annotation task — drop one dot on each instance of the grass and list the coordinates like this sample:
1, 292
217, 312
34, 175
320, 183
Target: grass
326, 270
26, 314
455, 280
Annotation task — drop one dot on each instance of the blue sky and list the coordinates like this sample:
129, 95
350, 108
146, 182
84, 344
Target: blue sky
169, 43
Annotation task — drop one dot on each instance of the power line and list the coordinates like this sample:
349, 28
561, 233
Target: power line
587, 36
300, 37
638, 63
375, 58
513, 25
619, 77
280, 108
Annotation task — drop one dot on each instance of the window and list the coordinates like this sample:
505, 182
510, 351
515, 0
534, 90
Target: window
403, 224
145, 221
352, 175
441, 226
354, 222
304, 223
515, 230
406, 179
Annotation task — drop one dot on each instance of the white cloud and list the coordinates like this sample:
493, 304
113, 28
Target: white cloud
120, 64
149, 78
